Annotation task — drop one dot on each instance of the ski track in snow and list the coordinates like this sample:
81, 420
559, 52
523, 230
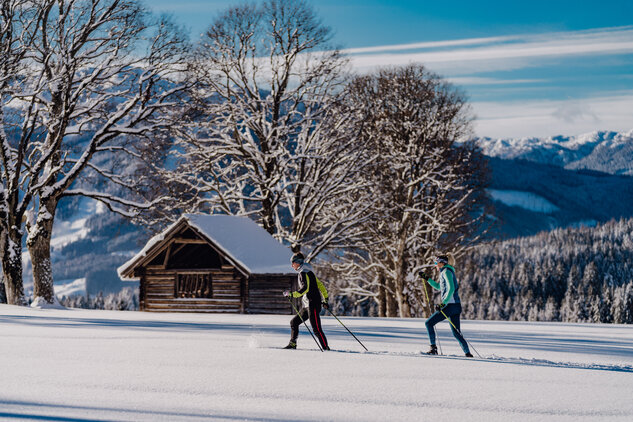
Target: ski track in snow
492, 359
81, 365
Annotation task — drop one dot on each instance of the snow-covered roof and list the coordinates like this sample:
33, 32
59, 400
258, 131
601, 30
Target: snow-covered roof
239, 238
245, 241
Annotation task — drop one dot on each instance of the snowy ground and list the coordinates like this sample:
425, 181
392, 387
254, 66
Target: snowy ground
79, 365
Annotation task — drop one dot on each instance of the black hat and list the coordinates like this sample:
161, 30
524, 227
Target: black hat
297, 258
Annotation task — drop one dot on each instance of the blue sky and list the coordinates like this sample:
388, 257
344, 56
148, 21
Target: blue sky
538, 68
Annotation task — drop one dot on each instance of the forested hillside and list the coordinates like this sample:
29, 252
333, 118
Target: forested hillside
574, 197
574, 275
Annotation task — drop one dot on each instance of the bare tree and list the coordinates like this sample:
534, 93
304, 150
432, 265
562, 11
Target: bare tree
263, 140
17, 25
87, 91
426, 186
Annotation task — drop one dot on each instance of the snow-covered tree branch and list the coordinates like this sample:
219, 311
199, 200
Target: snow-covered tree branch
98, 76
264, 139
18, 20
426, 186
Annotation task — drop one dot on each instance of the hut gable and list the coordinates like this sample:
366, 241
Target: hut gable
249, 245
212, 263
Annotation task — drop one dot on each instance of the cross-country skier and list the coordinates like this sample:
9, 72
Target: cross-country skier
313, 295
450, 306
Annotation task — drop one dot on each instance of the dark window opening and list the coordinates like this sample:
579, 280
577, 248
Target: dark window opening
194, 285
188, 234
193, 256
159, 260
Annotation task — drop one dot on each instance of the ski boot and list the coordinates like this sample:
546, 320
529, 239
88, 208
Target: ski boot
291, 345
432, 350
469, 355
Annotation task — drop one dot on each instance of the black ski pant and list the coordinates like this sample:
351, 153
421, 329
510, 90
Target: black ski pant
311, 313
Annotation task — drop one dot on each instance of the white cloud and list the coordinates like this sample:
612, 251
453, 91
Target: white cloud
460, 61
429, 44
496, 53
544, 118
474, 80
576, 111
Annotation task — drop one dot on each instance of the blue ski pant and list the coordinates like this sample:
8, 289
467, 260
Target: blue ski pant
452, 311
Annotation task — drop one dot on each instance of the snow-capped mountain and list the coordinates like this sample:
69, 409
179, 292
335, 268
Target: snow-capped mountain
607, 152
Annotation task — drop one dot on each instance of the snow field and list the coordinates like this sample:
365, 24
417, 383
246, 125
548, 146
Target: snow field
84, 365
527, 200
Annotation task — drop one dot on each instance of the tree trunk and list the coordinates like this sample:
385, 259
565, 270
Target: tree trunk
42, 272
39, 245
3, 295
11, 251
401, 265
392, 305
427, 298
403, 307
382, 297
268, 217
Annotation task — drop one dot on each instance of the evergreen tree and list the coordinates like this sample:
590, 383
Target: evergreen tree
573, 275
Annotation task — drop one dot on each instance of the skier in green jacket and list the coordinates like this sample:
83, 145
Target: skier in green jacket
450, 306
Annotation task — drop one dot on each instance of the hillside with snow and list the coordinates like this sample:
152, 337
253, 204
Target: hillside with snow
89, 243
80, 365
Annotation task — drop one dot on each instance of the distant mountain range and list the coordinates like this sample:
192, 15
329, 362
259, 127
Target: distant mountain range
536, 185
540, 184
606, 152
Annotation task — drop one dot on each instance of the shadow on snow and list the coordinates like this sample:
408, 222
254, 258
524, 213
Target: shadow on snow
108, 413
481, 339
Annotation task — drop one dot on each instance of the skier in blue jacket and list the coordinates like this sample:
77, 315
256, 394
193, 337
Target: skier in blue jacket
450, 306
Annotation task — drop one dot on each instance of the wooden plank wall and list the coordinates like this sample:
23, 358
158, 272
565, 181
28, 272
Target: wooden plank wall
265, 294
226, 285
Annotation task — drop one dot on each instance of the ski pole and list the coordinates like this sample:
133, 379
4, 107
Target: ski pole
439, 343
304, 323
341, 322
437, 338
467, 342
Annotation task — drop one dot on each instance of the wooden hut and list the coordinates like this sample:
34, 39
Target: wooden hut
213, 263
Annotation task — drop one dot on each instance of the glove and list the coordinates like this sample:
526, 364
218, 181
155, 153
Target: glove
286, 293
439, 307
325, 305
423, 275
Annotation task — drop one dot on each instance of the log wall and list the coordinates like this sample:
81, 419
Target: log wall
160, 291
231, 292
265, 294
